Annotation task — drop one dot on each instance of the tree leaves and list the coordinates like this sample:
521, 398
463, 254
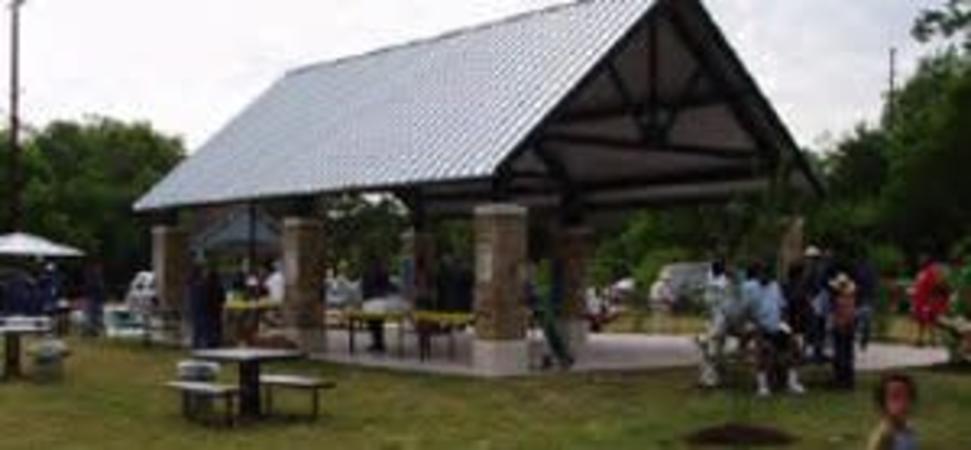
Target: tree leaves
950, 20
81, 179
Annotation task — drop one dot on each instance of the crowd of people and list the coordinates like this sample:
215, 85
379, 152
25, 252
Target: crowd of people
821, 305
26, 295
43, 292
825, 306
819, 313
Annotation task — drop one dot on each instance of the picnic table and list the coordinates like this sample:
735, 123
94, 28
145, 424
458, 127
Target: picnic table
249, 361
356, 319
12, 334
243, 318
428, 323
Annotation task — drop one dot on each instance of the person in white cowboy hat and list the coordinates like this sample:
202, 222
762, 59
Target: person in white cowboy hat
843, 317
811, 297
812, 252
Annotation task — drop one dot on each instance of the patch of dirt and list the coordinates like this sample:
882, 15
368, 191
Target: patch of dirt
739, 434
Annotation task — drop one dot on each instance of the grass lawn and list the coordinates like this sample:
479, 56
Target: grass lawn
112, 399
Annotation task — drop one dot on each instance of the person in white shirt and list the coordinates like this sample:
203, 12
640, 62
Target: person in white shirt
661, 299
275, 284
775, 336
727, 317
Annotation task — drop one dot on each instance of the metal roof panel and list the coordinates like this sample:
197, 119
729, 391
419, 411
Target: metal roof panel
447, 108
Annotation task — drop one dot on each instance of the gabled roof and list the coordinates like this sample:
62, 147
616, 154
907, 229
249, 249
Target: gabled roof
450, 114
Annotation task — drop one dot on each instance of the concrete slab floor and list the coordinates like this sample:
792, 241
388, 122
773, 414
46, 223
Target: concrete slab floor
604, 352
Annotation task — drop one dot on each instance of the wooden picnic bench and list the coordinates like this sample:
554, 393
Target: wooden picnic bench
296, 382
193, 390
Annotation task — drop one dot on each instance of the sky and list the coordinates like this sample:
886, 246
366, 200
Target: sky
188, 66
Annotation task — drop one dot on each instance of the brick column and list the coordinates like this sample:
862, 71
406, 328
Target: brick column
500, 347
304, 271
419, 246
171, 263
572, 249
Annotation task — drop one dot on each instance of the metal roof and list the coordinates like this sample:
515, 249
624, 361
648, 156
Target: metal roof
447, 108
444, 115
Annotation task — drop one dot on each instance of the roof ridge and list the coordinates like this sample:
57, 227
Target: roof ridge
449, 34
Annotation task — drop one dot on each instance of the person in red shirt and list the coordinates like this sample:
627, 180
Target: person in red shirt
930, 300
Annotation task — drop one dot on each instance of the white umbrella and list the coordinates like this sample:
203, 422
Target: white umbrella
626, 284
23, 244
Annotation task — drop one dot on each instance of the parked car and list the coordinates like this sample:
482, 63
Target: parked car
121, 323
687, 281
342, 293
142, 295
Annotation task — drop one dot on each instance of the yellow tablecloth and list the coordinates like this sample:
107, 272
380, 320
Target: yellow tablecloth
444, 318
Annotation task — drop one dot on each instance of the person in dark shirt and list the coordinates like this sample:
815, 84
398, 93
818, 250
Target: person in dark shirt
465, 287
550, 311
844, 296
95, 295
376, 283
197, 307
813, 291
867, 285
215, 301
49, 287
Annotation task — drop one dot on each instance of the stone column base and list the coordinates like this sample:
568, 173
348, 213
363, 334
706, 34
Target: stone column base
576, 332
500, 358
310, 340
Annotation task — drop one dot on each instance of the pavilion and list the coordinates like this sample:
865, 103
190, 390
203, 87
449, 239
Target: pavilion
565, 112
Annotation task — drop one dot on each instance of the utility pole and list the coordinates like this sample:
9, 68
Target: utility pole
16, 173
892, 92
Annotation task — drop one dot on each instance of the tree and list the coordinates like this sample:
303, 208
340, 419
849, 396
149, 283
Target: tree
857, 169
81, 179
362, 230
927, 202
947, 21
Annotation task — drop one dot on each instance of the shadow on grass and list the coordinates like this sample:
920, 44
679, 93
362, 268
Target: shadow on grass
963, 368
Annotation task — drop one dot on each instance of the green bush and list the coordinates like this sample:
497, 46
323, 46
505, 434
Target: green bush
888, 259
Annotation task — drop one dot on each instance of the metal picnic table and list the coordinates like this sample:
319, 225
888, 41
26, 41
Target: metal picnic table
249, 361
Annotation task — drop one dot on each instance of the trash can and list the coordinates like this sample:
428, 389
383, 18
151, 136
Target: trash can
201, 371
48, 357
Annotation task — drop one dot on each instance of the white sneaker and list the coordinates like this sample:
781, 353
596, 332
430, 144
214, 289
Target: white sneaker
795, 386
763, 382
